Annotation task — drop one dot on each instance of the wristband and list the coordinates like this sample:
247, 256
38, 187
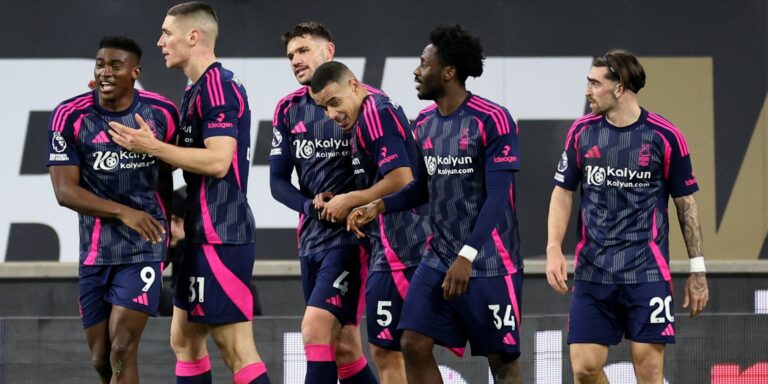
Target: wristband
468, 253
697, 264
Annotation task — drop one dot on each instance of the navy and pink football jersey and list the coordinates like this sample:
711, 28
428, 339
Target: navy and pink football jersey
626, 176
320, 152
217, 209
459, 150
79, 135
383, 143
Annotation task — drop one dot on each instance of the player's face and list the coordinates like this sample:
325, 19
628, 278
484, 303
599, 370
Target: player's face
428, 75
306, 53
341, 102
173, 43
601, 91
114, 74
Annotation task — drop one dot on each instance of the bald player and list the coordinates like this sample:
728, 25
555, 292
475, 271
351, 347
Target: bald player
212, 295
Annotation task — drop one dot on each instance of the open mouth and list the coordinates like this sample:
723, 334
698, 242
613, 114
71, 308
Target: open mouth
106, 86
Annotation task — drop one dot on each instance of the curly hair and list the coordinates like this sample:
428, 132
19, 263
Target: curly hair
311, 28
458, 48
122, 43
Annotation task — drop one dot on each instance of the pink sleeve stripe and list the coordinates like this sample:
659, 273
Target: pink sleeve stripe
397, 122
320, 352
376, 118
232, 286
660, 122
236, 168
502, 250
577, 125
218, 86
360, 137
513, 298
500, 111
213, 83
576, 147
499, 123
372, 89
499, 117
299, 92
481, 130
239, 100
93, 251
158, 97
249, 373
370, 120
660, 260
427, 109
193, 368
364, 262
422, 121
210, 232
62, 114
199, 106
170, 124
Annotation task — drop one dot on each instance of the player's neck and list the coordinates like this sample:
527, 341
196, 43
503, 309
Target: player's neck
451, 101
624, 114
197, 65
118, 105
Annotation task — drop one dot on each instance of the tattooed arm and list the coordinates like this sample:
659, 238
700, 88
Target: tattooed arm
696, 291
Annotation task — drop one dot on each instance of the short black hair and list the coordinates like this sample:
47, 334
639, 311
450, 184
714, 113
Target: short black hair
456, 47
186, 9
329, 72
623, 67
122, 43
312, 28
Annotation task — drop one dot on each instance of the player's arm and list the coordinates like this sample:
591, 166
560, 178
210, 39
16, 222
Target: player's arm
69, 193
340, 206
497, 185
560, 205
214, 160
165, 190
696, 291
280, 169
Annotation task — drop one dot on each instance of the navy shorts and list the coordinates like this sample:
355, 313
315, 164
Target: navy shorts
487, 314
603, 313
133, 286
213, 283
333, 280
385, 292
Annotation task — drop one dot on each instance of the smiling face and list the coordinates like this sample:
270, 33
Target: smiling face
341, 102
115, 73
428, 75
173, 43
306, 53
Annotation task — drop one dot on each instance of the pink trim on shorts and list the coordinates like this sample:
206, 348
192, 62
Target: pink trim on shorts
235, 289
320, 352
505, 257
513, 298
249, 373
348, 370
193, 368
395, 265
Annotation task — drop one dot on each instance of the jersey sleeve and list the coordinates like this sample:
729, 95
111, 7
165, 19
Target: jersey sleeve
681, 180
281, 149
385, 138
568, 173
221, 107
502, 151
167, 120
62, 130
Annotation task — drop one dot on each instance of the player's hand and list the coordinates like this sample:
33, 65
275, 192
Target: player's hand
147, 226
696, 293
557, 275
337, 209
457, 278
321, 198
140, 140
363, 215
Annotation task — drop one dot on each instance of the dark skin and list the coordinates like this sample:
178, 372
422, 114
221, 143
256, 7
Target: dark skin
113, 342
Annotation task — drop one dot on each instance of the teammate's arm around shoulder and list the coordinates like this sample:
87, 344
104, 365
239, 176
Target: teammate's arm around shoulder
559, 211
696, 291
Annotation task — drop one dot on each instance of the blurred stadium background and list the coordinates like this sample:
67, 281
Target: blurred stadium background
707, 66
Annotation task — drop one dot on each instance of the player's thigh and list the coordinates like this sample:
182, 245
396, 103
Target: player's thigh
217, 286
650, 312
338, 284
595, 314
385, 294
588, 357
126, 327
426, 312
491, 310
646, 353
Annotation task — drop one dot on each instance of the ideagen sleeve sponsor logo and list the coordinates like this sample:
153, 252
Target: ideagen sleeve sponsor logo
384, 159
505, 158
220, 123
